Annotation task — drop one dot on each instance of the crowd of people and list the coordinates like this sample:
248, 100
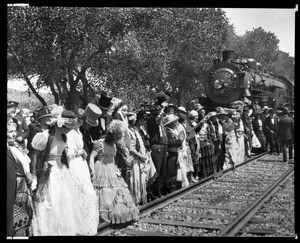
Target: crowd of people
68, 171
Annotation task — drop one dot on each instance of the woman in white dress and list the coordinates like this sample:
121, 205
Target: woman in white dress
86, 195
239, 131
55, 200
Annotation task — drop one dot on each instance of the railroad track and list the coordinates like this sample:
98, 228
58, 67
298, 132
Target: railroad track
219, 205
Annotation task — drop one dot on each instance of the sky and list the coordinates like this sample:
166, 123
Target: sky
280, 21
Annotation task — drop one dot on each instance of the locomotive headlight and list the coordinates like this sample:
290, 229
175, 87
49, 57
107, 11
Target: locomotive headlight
218, 84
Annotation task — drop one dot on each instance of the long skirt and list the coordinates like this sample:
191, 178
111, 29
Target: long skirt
86, 197
115, 201
241, 148
231, 148
56, 207
262, 139
137, 183
207, 160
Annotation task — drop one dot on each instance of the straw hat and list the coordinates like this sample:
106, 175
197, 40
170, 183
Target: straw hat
211, 114
92, 112
170, 118
221, 111
181, 109
193, 114
198, 106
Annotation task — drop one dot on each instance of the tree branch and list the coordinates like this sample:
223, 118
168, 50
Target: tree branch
23, 70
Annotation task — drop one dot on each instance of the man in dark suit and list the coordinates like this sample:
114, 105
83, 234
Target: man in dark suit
271, 131
286, 134
104, 103
89, 118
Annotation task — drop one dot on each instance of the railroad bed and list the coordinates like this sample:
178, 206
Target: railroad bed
240, 202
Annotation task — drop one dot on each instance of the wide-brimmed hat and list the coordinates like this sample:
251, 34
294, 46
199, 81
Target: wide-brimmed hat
211, 114
105, 102
92, 112
237, 103
67, 119
10, 107
265, 108
181, 109
170, 118
44, 112
171, 105
198, 106
193, 114
221, 111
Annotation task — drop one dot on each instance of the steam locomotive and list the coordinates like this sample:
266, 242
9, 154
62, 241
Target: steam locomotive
233, 79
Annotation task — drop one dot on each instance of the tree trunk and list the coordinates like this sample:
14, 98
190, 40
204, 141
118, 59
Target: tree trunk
23, 70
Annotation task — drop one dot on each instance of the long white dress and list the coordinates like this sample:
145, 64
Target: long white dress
138, 184
86, 195
185, 161
241, 142
55, 208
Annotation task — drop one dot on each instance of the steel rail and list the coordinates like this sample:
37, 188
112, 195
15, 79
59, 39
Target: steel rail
148, 208
240, 221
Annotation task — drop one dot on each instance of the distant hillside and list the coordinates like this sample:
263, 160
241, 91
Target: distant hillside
27, 101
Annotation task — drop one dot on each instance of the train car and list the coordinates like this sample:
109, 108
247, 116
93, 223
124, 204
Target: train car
232, 79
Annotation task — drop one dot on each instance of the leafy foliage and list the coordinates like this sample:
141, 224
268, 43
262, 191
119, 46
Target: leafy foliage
131, 53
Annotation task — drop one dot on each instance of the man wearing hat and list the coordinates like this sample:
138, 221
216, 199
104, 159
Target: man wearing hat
170, 109
99, 131
270, 123
90, 118
247, 121
286, 134
174, 143
217, 139
158, 142
200, 109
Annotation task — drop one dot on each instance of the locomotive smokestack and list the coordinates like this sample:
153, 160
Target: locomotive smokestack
228, 55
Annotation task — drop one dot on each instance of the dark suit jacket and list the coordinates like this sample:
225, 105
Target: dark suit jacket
286, 128
98, 131
269, 126
10, 192
87, 142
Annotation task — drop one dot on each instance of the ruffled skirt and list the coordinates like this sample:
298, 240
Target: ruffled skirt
115, 201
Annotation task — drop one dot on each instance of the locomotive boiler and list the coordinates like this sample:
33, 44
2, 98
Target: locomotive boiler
232, 79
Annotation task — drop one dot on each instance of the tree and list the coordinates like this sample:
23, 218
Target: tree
59, 45
263, 47
131, 52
